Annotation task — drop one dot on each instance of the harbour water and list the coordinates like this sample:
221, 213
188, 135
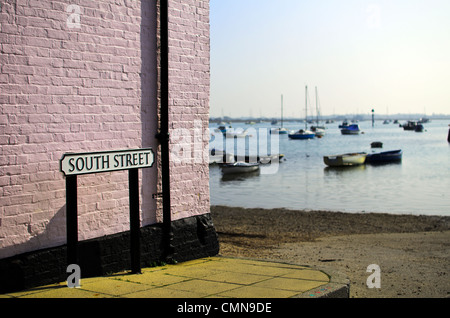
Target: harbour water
419, 184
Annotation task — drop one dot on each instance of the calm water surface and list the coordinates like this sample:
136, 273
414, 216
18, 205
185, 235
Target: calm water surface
418, 185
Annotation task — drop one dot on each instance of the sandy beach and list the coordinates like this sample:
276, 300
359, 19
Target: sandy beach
413, 252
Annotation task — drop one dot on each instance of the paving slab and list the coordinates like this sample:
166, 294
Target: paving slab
214, 277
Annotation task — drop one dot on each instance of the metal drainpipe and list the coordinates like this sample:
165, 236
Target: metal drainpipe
163, 134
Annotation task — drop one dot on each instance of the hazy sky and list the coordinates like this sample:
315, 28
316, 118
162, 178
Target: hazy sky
390, 55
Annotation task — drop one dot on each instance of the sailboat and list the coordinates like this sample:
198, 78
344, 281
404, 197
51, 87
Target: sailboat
318, 130
303, 134
282, 130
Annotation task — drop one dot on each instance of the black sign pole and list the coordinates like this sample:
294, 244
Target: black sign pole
72, 219
73, 164
135, 224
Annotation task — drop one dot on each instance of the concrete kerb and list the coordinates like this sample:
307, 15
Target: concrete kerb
337, 287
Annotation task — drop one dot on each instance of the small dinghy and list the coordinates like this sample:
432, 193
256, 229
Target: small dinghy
239, 167
384, 157
348, 159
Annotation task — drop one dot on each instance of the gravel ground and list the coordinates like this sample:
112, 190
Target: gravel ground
413, 252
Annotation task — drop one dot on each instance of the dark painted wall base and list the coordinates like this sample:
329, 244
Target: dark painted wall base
193, 238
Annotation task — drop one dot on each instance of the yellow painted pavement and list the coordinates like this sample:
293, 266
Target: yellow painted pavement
214, 277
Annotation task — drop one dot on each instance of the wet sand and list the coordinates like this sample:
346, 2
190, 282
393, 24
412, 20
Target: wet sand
413, 252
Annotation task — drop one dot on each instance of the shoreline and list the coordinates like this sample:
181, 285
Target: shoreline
411, 250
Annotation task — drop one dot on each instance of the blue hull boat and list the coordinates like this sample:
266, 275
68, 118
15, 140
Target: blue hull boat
384, 157
302, 134
419, 128
350, 130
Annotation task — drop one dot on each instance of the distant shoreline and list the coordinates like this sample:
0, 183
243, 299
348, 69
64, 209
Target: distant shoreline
336, 118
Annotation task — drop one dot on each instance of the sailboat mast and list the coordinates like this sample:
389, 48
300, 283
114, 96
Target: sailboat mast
281, 110
317, 109
306, 107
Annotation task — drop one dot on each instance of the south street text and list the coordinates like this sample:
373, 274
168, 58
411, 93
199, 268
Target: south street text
106, 161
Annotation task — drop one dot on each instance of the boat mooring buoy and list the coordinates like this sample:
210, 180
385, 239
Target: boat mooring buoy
376, 144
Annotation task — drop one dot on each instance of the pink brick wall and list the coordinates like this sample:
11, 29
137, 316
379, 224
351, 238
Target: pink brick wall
189, 84
93, 87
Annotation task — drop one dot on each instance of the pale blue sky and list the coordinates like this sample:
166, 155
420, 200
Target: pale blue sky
390, 55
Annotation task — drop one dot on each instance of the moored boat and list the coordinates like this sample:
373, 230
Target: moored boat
376, 144
318, 131
350, 130
280, 131
348, 159
302, 134
239, 167
409, 125
419, 128
385, 157
344, 124
448, 136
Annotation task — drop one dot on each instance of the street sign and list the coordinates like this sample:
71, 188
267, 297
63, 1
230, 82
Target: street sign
96, 162
74, 164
